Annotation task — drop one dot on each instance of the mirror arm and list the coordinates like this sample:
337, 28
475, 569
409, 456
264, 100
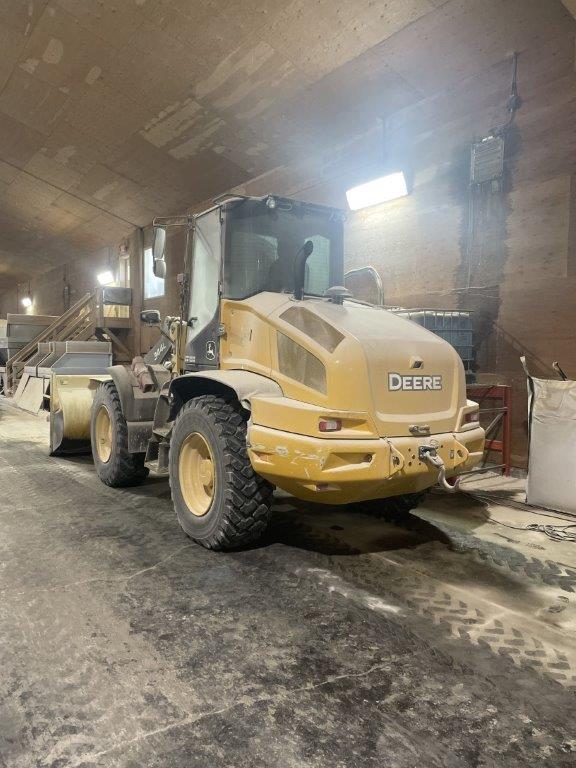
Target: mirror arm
173, 221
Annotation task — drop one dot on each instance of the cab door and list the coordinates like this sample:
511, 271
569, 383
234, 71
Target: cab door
202, 345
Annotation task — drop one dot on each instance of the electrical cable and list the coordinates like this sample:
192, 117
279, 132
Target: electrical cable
494, 496
554, 532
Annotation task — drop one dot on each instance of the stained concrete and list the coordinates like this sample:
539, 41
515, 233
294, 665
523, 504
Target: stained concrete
339, 641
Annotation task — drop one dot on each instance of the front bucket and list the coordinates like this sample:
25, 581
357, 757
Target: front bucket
60, 444
70, 409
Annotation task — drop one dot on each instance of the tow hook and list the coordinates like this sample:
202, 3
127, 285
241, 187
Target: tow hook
429, 454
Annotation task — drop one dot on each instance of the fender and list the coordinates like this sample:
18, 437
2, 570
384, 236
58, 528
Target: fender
241, 384
136, 405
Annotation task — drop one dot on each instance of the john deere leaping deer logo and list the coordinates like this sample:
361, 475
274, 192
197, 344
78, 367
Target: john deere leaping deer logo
210, 350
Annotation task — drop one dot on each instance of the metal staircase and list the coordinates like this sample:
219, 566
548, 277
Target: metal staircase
91, 317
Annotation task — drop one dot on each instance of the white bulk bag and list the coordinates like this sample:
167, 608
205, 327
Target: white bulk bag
552, 456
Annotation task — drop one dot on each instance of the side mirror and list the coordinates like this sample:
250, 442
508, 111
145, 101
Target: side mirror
158, 247
159, 268
159, 243
150, 316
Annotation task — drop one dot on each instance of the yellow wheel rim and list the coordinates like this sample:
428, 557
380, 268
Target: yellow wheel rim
196, 474
103, 434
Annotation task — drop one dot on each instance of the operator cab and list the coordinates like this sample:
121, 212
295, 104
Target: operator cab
244, 246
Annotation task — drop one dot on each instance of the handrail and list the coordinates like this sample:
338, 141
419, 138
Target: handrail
543, 365
377, 279
46, 335
77, 323
502, 393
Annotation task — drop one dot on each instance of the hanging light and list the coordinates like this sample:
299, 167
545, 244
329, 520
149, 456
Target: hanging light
381, 190
105, 278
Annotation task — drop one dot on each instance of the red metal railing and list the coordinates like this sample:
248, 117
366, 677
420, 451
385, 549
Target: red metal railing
502, 396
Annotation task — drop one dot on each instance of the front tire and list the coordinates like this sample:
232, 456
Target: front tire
114, 463
220, 501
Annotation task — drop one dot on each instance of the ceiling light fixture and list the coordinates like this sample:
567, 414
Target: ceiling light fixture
105, 278
26, 301
381, 190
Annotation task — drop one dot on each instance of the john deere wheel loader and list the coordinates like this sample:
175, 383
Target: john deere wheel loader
275, 376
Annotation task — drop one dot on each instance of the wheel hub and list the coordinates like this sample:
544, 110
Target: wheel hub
103, 434
196, 474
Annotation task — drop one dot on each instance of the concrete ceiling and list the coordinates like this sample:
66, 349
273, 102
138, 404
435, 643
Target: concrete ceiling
113, 111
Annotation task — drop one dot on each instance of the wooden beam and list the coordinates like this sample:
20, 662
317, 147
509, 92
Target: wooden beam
115, 340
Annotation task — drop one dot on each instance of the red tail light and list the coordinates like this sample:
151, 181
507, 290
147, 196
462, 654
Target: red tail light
329, 425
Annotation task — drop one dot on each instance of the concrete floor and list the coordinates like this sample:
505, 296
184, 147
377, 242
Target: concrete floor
340, 641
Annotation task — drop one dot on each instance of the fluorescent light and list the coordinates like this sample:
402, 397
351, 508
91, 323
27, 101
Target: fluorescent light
105, 278
26, 301
377, 191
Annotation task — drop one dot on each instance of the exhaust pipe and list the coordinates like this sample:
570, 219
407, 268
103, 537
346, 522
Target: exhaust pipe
300, 269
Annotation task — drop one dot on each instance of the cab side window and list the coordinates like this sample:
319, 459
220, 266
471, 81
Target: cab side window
204, 285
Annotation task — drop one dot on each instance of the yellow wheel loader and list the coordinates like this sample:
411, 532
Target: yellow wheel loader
274, 375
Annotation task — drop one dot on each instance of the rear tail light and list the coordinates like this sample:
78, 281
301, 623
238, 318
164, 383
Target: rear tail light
330, 425
472, 418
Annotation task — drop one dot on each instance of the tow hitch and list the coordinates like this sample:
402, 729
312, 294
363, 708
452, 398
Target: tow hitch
429, 454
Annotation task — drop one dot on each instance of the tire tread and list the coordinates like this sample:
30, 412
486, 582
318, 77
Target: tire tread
124, 468
248, 496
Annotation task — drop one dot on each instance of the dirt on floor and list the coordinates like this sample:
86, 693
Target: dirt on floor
445, 639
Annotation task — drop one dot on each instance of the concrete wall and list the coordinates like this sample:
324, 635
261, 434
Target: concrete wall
514, 264
47, 290
515, 267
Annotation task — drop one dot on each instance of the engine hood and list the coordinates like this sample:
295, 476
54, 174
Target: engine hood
412, 372
349, 358
405, 376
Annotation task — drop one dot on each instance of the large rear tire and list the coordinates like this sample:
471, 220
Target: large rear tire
220, 501
114, 463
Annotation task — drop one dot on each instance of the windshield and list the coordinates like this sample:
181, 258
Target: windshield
262, 243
